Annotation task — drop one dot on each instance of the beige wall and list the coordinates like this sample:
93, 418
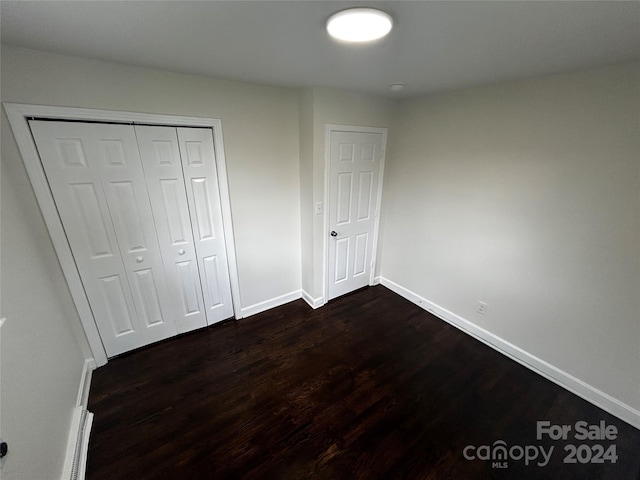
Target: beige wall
526, 195
41, 360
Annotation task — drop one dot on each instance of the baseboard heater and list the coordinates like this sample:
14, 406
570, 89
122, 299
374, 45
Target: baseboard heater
78, 445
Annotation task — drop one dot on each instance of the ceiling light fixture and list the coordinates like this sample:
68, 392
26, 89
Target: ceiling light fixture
359, 25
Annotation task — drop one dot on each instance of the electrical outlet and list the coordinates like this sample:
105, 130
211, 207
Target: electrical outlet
482, 308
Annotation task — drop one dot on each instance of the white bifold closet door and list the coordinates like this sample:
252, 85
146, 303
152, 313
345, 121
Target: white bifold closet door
179, 164
144, 225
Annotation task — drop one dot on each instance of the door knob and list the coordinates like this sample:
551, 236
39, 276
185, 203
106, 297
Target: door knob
181, 252
139, 259
334, 233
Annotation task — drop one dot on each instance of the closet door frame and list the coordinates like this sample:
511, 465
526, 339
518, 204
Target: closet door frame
19, 115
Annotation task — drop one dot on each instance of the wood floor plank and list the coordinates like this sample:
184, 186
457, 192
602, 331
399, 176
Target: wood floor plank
369, 386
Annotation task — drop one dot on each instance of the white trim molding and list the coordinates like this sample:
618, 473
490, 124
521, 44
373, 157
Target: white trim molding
328, 129
85, 383
550, 372
312, 302
271, 303
75, 460
19, 114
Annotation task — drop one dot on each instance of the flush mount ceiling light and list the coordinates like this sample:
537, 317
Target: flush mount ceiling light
359, 25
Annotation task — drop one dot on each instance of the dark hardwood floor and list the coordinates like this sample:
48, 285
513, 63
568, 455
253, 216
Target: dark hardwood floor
368, 387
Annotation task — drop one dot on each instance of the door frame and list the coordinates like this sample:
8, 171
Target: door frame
19, 115
329, 129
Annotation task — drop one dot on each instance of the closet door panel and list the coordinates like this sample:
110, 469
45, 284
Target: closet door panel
118, 310
146, 289
125, 187
188, 280
211, 281
202, 205
127, 217
95, 176
84, 203
165, 182
201, 181
175, 215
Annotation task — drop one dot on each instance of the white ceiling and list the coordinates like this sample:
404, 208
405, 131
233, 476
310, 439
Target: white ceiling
434, 46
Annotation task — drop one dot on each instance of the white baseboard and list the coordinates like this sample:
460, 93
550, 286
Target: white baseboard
271, 303
575, 385
84, 448
75, 461
85, 382
313, 302
376, 280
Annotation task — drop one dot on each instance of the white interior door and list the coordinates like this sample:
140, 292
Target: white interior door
354, 174
96, 178
163, 171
